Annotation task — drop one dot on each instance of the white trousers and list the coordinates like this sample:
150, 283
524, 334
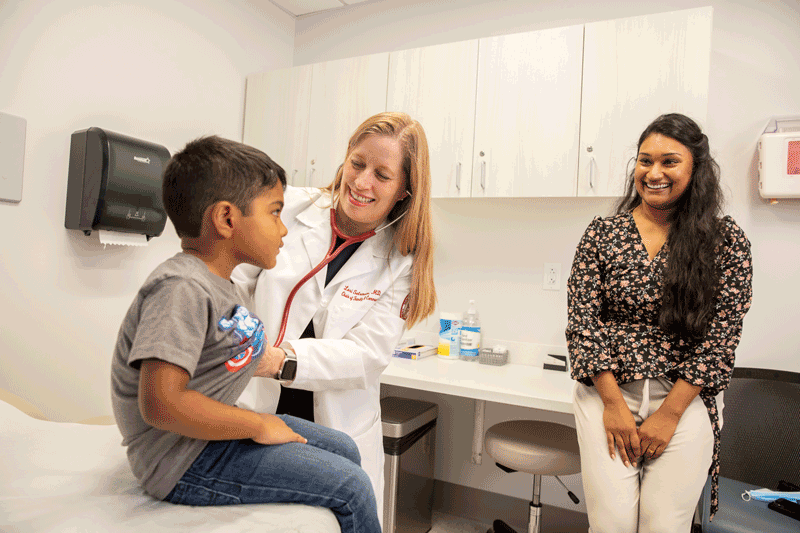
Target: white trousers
656, 495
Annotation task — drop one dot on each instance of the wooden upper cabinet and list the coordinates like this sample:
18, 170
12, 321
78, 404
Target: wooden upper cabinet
553, 113
344, 93
528, 114
276, 117
634, 70
436, 86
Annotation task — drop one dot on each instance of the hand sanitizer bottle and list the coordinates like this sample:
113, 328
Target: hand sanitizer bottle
470, 334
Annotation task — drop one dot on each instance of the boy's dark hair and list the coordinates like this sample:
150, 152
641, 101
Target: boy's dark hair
212, 169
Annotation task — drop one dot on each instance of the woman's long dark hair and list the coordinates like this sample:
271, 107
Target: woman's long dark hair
691, 276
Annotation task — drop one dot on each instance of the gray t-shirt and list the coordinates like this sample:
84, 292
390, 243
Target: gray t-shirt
187, 316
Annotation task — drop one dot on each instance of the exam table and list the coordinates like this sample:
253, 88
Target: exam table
57, 477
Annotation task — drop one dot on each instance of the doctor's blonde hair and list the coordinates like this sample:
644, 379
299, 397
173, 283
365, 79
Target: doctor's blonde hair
414, 232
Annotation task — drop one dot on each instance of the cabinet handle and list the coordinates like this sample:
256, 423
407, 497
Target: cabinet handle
591, 172
458, 176
483, 175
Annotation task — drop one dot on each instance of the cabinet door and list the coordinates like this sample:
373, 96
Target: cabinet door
634, 70
436, 86
344, 93
528, 113
276, 117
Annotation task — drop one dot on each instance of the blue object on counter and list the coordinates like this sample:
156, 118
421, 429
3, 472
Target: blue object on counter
766, 495
449, 336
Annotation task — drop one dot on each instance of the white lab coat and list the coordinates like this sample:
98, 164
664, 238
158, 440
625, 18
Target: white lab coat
356, 320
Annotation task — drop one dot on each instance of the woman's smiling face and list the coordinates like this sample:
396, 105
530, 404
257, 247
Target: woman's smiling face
372, 182
663, 171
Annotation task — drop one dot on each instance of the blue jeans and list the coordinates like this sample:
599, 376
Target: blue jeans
325, 472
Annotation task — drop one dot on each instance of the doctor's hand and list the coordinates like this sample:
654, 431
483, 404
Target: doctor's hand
275, 431
621, 432
270, 363
656, 432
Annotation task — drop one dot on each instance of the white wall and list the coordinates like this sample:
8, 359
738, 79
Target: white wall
754, 75
162, 70
169, 70
494, 250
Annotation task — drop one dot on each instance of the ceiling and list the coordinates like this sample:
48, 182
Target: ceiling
304, 7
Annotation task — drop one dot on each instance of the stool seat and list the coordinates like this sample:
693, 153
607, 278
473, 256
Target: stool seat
535, 447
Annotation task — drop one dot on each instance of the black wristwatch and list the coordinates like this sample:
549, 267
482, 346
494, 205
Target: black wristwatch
288, 369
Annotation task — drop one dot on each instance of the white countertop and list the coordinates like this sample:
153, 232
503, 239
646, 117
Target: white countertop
513, 384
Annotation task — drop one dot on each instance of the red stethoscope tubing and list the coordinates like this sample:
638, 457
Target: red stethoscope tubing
330, 256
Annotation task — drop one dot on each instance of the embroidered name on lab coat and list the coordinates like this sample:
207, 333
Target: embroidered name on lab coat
358, 296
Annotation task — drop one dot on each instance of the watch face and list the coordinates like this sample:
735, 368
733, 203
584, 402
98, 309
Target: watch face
289, 370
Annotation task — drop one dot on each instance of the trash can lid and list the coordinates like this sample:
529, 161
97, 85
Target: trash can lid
401, 416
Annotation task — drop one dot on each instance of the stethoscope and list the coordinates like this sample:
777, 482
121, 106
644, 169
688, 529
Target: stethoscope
333, 252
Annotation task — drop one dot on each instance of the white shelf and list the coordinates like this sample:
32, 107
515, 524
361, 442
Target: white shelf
512, 384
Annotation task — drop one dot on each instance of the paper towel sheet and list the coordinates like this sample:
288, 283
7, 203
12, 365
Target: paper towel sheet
124, 239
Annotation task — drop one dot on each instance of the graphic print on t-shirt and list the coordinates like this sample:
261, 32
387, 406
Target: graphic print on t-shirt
245, 326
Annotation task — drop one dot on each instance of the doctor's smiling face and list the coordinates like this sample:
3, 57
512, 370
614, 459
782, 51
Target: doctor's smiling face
663, 171
372, 183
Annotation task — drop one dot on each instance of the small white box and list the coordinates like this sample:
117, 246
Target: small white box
417, 351
779, 165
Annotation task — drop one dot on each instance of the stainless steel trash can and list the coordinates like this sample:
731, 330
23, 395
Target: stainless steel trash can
409, 441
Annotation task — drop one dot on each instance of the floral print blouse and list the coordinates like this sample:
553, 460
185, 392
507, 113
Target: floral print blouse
614, 297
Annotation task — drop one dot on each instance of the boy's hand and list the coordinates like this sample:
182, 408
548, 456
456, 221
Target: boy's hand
275, 431
270, 362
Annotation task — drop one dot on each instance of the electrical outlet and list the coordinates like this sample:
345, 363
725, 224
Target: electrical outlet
551, 280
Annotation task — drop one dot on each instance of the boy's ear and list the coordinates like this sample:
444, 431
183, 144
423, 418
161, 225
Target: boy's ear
223, 218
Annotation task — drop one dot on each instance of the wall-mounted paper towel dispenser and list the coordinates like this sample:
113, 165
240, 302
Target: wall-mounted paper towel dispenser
114, 184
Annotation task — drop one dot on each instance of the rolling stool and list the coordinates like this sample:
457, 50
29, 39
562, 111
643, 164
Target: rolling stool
538, 448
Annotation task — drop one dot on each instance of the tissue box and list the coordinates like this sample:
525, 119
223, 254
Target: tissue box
416, 351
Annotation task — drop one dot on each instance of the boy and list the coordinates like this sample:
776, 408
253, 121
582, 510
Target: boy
187, 348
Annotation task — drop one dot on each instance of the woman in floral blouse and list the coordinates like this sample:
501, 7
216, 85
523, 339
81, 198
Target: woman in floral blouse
656, 298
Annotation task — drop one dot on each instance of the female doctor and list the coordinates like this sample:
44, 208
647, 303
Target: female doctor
343, 323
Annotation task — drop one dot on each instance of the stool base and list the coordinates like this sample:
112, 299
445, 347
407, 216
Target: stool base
534, 513
498, 526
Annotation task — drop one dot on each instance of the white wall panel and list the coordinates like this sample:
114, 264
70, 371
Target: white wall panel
493, 251
163, 71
